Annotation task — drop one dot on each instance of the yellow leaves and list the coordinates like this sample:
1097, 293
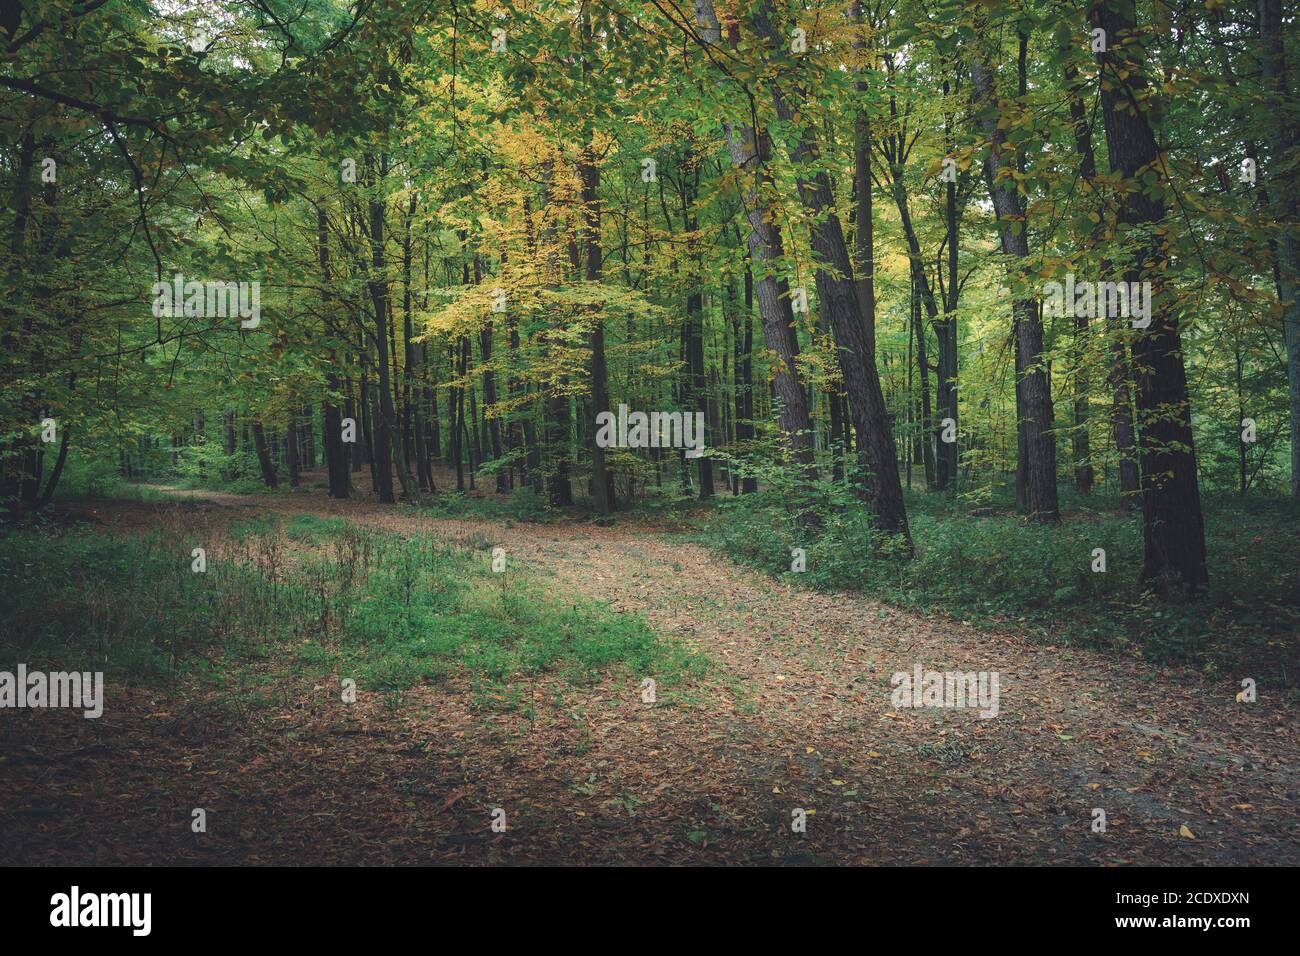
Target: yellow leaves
1186, 833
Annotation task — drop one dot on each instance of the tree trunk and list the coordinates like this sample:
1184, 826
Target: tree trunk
694, 392
1282, 147
864, 259
1172, 527
387, 452
264, 455
750, 150
838, 293
457, 399
291, 449
602, 479
57, 471
948, 452
1083, 472
744, 344
924, 434
414, 395
1034, 395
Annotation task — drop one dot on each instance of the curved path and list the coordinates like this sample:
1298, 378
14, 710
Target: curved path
796, 715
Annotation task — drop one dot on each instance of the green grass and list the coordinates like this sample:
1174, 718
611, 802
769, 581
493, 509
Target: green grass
314, 597
1000, 570
199, 467
310, 529
522, 504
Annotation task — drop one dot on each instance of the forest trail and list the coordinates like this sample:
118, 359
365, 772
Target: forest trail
795, 714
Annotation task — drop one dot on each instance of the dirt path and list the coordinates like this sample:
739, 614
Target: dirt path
797, 715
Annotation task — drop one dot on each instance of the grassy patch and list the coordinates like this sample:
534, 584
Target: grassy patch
316, 596
522, 504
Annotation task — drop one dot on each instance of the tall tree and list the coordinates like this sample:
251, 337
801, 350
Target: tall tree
838, 295
1283, 144
750, 149
1034, 394
1173, 530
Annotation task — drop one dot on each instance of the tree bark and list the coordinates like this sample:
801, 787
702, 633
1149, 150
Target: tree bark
264, 455
948, 452
838, 294
750, 150
1034, 395
291, 449
1173, 530
1282, 147
388, 453
602, 479
694, 392
1083, 472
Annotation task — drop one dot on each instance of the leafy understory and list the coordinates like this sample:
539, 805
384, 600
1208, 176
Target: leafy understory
309, 597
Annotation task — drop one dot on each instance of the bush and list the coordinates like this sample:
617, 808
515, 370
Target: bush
388, 610
1000, 570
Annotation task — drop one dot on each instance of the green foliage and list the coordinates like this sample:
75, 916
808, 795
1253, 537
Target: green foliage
226, 164
93, 476
321, 596
997, 570
129, 606
523, 504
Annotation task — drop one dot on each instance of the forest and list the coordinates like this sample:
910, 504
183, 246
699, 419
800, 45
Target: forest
560, 419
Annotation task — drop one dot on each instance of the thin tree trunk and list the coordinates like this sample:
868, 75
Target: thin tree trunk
745, 377
750, 150
924, 433
694, 396
291, 449
1083, 471
264, 455
948, 452
1034, 395
413, 396
387, 452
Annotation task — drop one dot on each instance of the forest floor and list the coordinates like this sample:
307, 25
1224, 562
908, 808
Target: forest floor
795, 713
